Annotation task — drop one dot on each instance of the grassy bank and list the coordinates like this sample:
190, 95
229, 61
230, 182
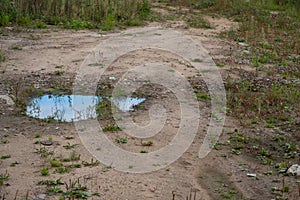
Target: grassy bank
104, 14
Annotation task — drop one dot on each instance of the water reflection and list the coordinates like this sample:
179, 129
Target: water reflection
126, 104
70, 108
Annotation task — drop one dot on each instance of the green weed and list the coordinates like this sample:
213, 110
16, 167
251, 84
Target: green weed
45, 171
51, 182
55, 163
69, 146
111, 128
122, 140
147, 143
3, 177
2, 57
90, 164
5, 157
74, 14
62, 170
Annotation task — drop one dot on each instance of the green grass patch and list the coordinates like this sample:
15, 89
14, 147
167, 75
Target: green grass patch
73, 14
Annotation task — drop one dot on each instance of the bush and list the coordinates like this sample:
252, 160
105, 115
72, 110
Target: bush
74, 14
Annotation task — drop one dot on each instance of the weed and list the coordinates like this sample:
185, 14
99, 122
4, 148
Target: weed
69, 146
66, 160
74, 156
122, 140
62, 170
69, 137
103, 110
51, 182
3, 177
111, 128
54, 190
4, 20
43, 152
106, 168
5, 157
143, 151
148, 143
91, 164
202, 96
37, 135
77, 191
40, 25
45, 171
74, 165
2, 57
218, 64
14, 164
16, 47
4, 141
198, 22
59, 73
197, 60
74, 14
55, 163
282, 167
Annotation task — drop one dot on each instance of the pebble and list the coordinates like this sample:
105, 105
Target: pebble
251, 175
41, 197
294, 170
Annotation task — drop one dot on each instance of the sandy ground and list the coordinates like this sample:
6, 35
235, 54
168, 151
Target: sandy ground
45, 52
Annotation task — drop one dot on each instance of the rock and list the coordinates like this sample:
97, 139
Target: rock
40, 197
8, 100
294, 170
251, 175
46, 143
246, 52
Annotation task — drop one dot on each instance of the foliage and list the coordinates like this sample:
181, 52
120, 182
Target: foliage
74, 14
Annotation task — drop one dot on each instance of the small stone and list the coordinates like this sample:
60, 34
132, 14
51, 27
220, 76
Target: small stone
40, 197
294, 170
246, 52
7, 99
243, 44
251, 175
46, 143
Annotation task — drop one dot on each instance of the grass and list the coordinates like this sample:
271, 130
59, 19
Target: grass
5, 157
147, 143
3, 177
104, 14
51, 182
4, 141
13, 164
271, 104
69, 146
202, 96
143, 151
43, 152
269, 27
2, 57
90, 164
55, 163
111, 128
74, 156
45, 171
122, 140
16, 47
62, 170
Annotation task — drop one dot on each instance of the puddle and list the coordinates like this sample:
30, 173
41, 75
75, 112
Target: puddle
70, 108
126, 104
